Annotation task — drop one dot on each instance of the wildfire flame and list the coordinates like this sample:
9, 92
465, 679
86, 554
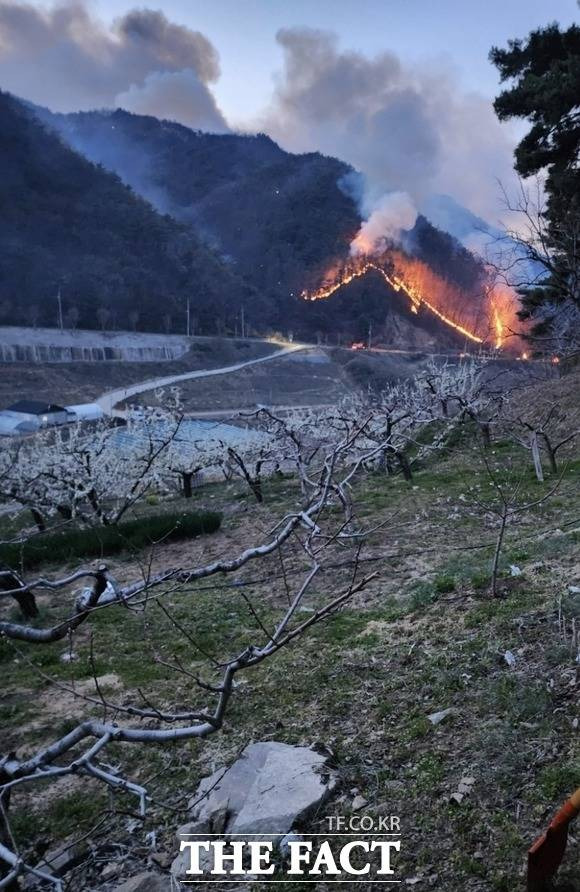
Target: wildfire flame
499, 328
495, 321
398, 283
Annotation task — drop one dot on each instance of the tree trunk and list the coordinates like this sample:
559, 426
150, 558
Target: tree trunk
387, 458
25, 600
27, 603
486, 434
536, 457
5, 837
254, 482
94, 503
38, 519
495, 565
187, 477
405, 466
388, 453
551, 454
256, 487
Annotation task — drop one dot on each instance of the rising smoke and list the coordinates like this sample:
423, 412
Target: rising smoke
406, 129
387, 218
409, 131
175, 95
68, 60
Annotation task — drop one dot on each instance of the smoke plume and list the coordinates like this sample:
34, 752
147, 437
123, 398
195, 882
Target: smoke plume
64, 58
391, 215
407, 130
177, 96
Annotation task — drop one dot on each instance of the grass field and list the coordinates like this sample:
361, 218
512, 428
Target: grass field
423, 637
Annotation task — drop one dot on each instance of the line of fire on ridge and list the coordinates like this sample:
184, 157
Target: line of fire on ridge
416, 298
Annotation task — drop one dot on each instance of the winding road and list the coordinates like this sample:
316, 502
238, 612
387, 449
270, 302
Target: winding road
108, 401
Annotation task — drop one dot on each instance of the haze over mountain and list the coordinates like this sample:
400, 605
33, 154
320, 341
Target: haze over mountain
228, 221
262, 224
274, 215
67, 223
280, 219
406, 124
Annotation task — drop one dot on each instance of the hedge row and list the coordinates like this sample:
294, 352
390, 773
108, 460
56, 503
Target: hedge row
95, 542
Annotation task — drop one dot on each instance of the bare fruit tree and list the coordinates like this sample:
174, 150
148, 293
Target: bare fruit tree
304, 541
324, 451
94, 475
546, 428
506, 502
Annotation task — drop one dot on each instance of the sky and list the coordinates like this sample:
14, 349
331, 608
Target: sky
460, 32
400, 89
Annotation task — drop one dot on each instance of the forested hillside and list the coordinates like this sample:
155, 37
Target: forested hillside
130, 217
282, 220
278, 216
70, 224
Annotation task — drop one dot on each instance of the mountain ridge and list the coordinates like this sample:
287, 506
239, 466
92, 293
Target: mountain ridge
272, 214
232, 222
72, 228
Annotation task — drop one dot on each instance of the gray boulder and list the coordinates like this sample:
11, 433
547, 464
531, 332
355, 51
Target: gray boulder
146, 882
270, 787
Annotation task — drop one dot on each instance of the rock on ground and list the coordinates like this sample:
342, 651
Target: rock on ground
146, 882
270, 787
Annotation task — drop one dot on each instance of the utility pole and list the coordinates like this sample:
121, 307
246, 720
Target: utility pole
188, 318
59, 300
243, 323
370, 335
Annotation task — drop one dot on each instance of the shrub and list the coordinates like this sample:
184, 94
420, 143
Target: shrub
480, 579
95, 542
559, 780
422, 595
444, 584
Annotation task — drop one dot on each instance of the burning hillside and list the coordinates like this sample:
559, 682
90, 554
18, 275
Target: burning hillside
486, 318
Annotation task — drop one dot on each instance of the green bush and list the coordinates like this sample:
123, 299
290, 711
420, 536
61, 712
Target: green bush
480, 579
95, 542
444, 584
422, 594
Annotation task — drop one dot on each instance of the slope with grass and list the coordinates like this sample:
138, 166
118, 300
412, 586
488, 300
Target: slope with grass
424, 637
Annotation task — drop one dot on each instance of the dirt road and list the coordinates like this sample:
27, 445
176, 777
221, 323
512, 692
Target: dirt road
108, 401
